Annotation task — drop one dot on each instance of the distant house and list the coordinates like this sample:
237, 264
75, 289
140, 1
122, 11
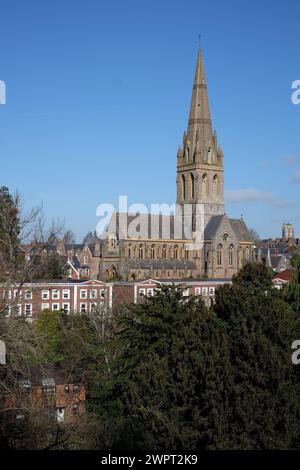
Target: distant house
282, 279
51, 389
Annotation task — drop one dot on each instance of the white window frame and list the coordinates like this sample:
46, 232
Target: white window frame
67, 293
8, 311
102, 294
60, 414
66, 307
45, 306
142, 292
204, 291
55, 294
150, 292
93, 306
197, 290
27, 296
45, 294
83, 305
28, 314
19, 310
211, 291
83, 294
93, 294
56, 304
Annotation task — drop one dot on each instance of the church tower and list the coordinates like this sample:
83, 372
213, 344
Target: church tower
200, 176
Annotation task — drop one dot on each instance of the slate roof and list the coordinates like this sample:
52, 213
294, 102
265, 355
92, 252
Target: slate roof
240, 230
156, 221
212, 226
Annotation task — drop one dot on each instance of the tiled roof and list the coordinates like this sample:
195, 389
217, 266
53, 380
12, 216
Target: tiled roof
285, 275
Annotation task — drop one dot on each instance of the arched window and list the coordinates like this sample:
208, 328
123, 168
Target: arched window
204, 185
247, 253
129, 251
183, 187
219, 255
215, 185
175, 252
230, 255
192, 186
141, 252
152, 252
164, 252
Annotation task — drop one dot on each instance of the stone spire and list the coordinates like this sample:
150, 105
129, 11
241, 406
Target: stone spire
200, 171
199, 133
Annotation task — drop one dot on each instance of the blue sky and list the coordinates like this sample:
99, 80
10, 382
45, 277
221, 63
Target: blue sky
98, 97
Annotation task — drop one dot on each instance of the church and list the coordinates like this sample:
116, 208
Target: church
225, 243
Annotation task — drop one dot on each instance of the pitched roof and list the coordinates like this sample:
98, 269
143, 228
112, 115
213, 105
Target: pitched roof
212, 226
240, 229
285, 275
155, 226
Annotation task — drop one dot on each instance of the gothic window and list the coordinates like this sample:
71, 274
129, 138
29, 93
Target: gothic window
187, 254
164, 252
204, 185
209, 153
176, 252
247, 254
219, 255
129, 251
141, 252
230, 255
183, 187
215, 186
152, 252
192, 186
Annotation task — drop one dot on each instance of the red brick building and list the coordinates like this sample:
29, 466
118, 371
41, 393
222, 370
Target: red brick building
85, 296
48, 389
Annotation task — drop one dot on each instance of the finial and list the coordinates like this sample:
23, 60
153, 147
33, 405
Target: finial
199, 40
242, 217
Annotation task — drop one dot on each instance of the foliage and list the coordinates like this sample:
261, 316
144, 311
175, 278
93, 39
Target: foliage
292, 291
9, 228
186, 377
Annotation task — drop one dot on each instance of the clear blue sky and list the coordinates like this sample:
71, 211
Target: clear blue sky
98, 96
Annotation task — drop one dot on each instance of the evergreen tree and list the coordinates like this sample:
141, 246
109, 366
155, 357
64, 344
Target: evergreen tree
292, 292
9, 229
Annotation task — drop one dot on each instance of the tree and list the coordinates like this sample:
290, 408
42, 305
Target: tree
255, 276
90, 238
52, 266
9, 229
69, 238
264, 390
186, 377
254, 237
292, 292
167, 376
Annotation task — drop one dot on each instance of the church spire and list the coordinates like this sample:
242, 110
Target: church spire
199, 132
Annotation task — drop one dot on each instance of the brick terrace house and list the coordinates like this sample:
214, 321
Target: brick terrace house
86, 296
50, 389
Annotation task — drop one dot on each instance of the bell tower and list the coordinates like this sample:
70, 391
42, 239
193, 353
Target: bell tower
200, 174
